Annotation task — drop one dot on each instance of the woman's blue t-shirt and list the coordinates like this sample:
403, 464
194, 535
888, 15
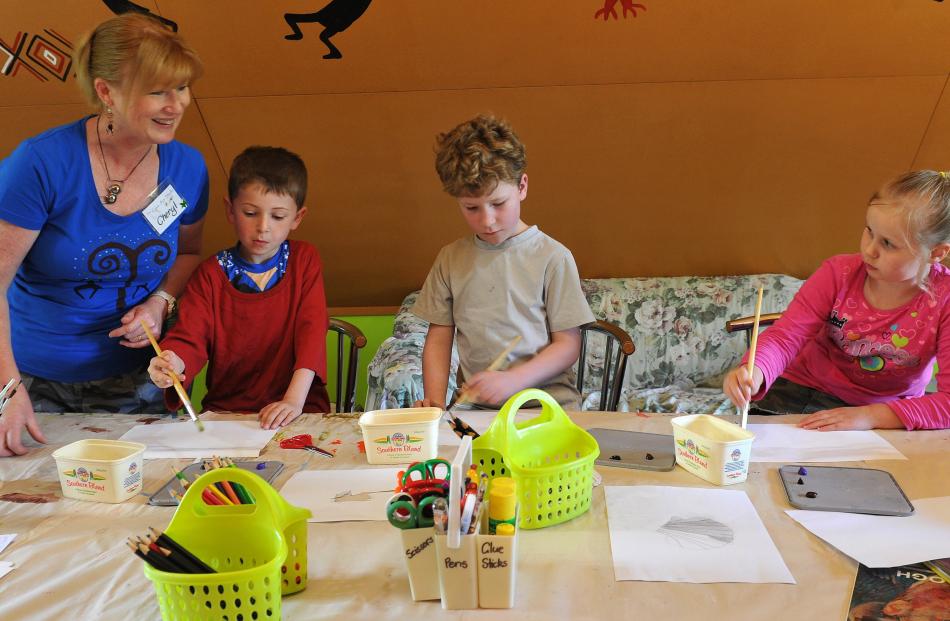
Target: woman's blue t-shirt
88, 266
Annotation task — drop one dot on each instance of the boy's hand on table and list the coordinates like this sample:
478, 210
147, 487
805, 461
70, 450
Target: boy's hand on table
428, 403
491, 387
17, 416
161, 368
739, 386
863, 417
279, 414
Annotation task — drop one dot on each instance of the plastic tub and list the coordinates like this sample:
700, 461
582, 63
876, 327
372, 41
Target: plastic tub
100, 470
712, 448
401, 436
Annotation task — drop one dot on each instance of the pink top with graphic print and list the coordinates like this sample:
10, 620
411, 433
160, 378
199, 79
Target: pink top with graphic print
832, 340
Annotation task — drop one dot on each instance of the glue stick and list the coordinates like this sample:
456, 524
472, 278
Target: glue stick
502, 501
505, 529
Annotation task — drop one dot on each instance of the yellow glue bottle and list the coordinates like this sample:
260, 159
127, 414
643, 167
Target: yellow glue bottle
502, 502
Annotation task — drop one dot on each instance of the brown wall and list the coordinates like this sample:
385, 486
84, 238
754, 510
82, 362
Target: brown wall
695, 138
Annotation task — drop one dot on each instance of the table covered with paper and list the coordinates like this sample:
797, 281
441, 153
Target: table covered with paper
69, 558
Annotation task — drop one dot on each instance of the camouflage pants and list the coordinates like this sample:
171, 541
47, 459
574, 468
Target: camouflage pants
132, 393
786, 397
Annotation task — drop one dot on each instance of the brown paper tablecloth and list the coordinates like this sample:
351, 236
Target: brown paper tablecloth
72, 562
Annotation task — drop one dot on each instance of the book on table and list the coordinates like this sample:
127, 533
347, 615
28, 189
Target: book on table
910, 592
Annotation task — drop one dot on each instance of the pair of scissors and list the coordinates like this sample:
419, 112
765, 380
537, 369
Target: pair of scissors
304, 441
404, 512
10, 388
430, 473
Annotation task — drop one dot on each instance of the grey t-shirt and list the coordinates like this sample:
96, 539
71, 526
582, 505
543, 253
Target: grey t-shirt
528, 285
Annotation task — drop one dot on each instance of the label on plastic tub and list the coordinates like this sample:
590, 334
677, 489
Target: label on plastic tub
133, 481
398, 443
85, 481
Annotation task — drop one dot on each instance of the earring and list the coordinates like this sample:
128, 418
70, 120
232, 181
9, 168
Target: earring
109, 127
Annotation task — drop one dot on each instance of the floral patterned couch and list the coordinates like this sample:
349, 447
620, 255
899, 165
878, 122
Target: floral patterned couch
676, 323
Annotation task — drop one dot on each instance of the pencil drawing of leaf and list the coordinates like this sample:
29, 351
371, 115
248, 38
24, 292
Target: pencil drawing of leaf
698, 533
350, 496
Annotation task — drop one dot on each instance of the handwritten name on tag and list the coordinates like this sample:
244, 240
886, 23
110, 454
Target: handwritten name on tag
167, 207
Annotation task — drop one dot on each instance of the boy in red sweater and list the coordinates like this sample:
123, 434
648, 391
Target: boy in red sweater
256, 313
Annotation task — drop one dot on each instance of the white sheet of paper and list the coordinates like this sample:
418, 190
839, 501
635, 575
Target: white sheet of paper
883, 540
182, 439
6, 540
5, 568
370, 490
689, 534
790, 443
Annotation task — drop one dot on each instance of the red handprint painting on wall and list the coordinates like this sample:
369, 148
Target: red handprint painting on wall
609, 9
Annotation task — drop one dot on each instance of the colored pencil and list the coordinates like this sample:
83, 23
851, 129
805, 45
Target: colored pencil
157, 561
220, 495
210, 498
170, 543
239, 489
226, 484
186, 563
178, 387
180, 567
750, 364
135, 548
182, 479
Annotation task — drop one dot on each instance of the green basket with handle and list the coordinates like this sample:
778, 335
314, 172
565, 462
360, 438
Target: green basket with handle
550, 458
259, 552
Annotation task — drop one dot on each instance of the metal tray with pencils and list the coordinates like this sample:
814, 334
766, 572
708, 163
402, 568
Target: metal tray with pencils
267, 470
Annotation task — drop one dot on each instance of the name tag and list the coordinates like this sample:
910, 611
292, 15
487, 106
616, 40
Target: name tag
164, 209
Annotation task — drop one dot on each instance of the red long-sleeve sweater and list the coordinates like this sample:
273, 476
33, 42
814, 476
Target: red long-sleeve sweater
253, 342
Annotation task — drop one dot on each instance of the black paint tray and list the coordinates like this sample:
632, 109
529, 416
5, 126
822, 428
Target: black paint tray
850, 490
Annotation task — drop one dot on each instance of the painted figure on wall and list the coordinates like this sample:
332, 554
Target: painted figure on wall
335, 17
609, 9
38, 55
124, 6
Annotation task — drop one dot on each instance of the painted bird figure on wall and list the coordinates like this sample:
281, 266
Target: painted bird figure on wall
609, 9
336, 16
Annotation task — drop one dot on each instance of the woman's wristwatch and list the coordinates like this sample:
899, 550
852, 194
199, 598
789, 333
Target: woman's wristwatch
169, 299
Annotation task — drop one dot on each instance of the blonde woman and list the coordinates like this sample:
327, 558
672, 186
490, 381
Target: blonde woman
100, 227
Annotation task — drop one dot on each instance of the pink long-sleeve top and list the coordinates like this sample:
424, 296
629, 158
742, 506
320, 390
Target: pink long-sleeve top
832, 340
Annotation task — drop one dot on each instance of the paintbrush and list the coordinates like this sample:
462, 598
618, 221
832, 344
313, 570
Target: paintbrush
178, 387
750, 364
459, 426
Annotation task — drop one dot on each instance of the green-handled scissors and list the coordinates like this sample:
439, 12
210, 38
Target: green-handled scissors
403, 512
428, 473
